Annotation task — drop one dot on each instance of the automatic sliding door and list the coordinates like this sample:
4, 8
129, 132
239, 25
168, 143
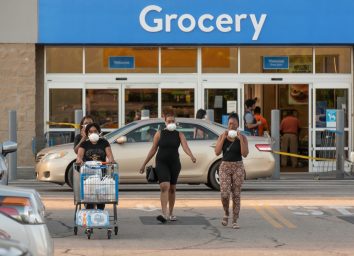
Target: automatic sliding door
140, 101
178, 101
325, 98
103, 106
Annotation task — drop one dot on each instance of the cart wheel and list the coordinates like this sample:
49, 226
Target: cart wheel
88, 233
116, 230
75, 231
109, 233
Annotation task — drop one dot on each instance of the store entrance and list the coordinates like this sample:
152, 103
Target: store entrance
290, 99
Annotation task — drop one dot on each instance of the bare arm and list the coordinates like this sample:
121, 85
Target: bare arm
83, 138
243, 144
185, 147
80, 156
220, 143
109, 155
152, 151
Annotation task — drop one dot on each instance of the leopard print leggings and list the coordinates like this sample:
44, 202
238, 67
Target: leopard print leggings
231, 176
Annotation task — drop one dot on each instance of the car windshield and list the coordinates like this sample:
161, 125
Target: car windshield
114, 133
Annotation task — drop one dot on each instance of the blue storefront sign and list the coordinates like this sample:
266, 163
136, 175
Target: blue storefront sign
331, 118
195, 22
121, 62
275, 62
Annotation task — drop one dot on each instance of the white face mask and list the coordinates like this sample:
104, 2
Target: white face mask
171, 127
232, 134
94, 137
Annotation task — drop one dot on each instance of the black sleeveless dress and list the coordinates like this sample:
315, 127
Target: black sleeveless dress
168, 164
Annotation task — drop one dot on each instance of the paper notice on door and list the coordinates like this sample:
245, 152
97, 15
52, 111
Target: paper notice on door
231, 106
218, 101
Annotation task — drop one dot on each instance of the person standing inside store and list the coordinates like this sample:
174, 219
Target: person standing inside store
94, 149
251, 124
233, 145
289, 129
81, 137
264, 126
166, 143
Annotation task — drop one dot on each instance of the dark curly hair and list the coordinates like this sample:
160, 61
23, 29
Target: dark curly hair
235, 116
88, 127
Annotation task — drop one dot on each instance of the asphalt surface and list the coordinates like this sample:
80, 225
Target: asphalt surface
286, 217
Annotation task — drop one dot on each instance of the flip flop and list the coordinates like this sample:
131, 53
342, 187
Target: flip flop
173, 218
225, 220
235, 225
162, 219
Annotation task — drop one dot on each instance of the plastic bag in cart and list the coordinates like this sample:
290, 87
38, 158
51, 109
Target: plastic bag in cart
91, 185
106, 190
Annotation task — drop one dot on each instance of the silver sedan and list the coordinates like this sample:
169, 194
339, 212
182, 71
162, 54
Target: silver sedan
131, 143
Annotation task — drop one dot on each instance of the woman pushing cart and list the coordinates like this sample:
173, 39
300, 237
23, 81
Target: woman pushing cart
95, 183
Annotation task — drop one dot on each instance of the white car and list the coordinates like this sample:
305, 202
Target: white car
22, 218
130, 145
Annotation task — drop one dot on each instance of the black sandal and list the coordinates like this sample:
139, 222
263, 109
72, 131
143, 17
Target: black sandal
162, 219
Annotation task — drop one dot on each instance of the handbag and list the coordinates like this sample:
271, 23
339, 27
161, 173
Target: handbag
151, 176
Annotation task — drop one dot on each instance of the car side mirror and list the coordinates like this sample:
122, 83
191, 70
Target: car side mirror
8, 147
121, 140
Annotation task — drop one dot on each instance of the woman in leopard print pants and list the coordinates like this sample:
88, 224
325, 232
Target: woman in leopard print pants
234, 146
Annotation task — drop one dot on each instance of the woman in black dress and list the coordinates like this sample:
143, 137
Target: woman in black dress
168, 165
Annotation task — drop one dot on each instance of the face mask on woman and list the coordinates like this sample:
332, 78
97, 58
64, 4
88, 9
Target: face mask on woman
232, 134
171, 127
94, 137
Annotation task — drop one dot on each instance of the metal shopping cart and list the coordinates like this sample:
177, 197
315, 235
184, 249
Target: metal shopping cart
96, 183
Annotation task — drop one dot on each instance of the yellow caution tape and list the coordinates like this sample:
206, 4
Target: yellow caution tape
305, 157
65, 124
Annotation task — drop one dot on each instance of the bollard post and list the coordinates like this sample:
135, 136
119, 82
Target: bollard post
12, 137
275, 130
78, 116
340, 144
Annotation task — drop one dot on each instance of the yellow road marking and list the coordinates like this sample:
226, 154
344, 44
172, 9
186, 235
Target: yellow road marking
267, 217
279, 217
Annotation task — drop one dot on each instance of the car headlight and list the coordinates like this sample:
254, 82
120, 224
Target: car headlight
56, 155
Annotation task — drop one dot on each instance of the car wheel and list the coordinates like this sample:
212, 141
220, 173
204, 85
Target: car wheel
69, 176
214, 181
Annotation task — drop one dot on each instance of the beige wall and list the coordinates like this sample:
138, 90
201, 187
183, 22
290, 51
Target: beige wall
18, 92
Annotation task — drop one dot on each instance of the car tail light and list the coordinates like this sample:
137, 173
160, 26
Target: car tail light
20, 209
264, 147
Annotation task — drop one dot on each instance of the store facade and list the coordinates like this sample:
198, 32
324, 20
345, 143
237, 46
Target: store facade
116, 59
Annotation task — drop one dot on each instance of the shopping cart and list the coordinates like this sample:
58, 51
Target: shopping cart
96, 183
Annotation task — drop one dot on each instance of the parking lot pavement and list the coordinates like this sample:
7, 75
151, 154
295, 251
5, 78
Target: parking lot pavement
263, 227
277, 218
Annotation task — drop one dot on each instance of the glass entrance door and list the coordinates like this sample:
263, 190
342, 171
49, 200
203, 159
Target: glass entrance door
326, 97
222, 98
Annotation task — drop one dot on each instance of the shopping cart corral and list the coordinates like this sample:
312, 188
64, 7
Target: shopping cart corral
96, 183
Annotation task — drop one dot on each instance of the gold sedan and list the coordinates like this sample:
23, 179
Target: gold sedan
131, 143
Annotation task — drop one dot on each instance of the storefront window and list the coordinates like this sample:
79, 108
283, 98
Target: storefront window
222, 101
178, 101
64, 59
330, 99
333, 60
121, 60
179, 60
62, 106
140, 101
102, 104
219, 60
299, 59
